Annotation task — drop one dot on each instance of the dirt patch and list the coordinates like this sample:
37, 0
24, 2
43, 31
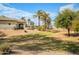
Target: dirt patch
10, 32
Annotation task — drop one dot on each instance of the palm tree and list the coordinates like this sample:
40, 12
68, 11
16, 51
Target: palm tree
25, 24
32, 24
46, 19
23, 18
48, 22
38, 15
29, 23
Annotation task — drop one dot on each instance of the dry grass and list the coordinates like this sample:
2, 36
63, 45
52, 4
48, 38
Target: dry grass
42, 42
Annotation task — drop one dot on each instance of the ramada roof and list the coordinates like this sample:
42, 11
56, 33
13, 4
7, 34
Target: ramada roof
4, 18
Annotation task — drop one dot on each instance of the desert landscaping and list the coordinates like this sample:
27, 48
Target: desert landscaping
34, 42
40, 33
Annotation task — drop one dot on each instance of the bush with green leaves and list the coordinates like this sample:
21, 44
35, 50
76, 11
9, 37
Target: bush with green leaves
41, 28
75, 25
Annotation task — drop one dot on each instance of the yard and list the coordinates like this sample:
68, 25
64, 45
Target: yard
35, 42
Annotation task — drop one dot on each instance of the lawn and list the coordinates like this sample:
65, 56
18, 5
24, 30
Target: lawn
40, 43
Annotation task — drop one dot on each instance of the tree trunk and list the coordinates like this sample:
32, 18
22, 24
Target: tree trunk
39, 21
45, 26
48, 26
68, 31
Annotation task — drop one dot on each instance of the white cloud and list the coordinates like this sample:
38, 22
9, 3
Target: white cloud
77, 9
69, 6
16, 13
13, 12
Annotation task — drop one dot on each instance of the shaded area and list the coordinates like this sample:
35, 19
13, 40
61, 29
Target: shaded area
54, 31
48, 43
73, 34
23, 38
31, 47
41, 42
2, 41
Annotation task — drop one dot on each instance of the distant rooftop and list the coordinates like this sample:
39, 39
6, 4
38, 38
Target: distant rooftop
10, 19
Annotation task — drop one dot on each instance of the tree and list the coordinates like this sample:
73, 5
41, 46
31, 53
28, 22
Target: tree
64, 19
75, 22
75, 25
28, 20
38, 15
32, 24
23, 18
44, 17
46, 20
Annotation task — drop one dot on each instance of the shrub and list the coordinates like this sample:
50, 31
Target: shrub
5, 48
75, 25
41, 28
54, 31
49, 30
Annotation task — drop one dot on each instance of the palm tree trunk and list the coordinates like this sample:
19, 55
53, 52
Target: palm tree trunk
39, 21
45, 25
48, 26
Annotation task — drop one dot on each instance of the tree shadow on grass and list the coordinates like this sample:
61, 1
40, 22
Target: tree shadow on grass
73, 34
3, 40
25, 38
50, 43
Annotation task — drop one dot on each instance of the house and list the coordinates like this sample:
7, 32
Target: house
10, 23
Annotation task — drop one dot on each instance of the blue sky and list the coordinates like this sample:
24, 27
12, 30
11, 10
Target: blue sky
34, 7
18, 10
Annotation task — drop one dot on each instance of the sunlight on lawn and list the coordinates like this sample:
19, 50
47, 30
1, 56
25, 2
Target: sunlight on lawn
43, 41
74, 39
45, 33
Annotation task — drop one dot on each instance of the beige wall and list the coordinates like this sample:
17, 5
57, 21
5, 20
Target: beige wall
8, 24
